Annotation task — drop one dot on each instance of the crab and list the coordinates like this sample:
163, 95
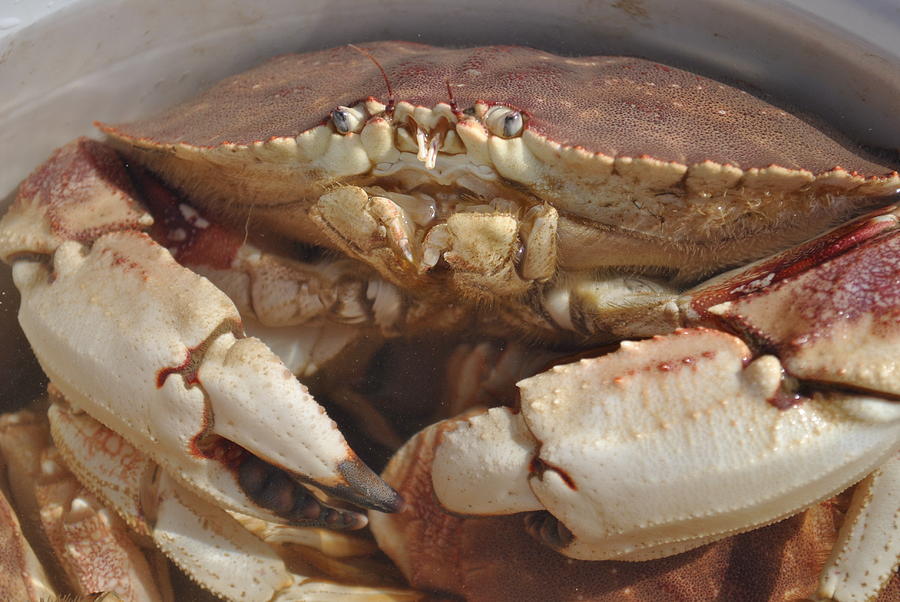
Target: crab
574, 201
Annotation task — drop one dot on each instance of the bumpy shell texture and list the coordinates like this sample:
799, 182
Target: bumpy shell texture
492, 559
617, 106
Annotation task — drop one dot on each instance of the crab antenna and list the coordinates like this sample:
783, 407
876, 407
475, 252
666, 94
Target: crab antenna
453, 106
363, 51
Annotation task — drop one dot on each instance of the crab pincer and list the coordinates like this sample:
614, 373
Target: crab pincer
158, 354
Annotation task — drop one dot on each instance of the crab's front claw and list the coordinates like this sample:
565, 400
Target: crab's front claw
470, 556
660, 447
669, 443
683, 439
157, 353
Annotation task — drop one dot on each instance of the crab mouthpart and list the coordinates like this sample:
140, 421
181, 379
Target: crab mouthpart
431, 141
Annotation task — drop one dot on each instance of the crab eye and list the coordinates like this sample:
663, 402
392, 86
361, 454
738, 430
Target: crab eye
347, 120
504, 122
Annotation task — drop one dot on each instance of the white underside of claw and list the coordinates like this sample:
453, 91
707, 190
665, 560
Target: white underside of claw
128, 350
667, 444
214, 548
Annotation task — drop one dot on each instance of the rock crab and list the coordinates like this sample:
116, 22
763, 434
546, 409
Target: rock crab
576, 201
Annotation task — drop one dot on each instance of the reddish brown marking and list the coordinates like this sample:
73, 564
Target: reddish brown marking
125, 263
865, 282
194, 355
795, 261
75, 176
825, 301
539, 466
110, 444
210, 244
664, 367
187, 369
784, 400
226, 452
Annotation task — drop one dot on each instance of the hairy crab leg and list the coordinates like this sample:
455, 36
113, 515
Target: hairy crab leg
143, 329
599, 306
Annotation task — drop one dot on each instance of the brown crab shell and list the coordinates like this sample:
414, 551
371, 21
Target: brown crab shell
648, 166
612, 106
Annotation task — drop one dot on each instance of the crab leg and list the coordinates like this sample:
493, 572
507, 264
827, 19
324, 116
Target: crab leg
22, 577
157, 353
204, 540
201, 538
862, 562
90, 544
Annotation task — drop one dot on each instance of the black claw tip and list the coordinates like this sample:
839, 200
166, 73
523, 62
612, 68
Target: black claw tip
366, 488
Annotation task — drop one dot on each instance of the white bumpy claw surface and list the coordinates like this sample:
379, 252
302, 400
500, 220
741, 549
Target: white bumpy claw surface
667, 444
128, 350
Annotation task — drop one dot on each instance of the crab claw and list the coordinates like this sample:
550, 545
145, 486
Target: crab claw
660, 447
676, 441
157, 353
